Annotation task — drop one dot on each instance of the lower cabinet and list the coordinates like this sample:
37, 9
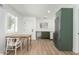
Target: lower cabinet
42, 35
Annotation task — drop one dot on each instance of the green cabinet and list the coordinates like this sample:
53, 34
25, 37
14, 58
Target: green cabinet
64, 29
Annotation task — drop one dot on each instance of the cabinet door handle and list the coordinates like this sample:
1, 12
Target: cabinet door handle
78, 33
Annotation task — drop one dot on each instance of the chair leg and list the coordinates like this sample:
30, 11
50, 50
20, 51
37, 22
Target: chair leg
24, 43
30, 42
21, 47
15, 51
6, 51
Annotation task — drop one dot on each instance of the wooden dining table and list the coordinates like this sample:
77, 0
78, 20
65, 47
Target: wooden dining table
21, 37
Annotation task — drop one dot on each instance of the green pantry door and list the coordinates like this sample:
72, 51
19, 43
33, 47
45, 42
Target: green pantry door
65, 41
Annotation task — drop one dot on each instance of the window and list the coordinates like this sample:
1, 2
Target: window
11, 23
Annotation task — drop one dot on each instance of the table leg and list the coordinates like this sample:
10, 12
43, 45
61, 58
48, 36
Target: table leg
30, 40
5, 46
27, 44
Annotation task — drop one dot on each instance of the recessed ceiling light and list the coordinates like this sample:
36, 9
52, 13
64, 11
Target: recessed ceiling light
49, 11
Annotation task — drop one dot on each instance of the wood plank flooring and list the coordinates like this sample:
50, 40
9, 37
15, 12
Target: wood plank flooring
42, 47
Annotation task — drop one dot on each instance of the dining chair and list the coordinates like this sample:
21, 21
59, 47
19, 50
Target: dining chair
13, 44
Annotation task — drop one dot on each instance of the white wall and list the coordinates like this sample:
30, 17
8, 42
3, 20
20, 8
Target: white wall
29, 24
20, 25
2, 29
3, 13
76, 29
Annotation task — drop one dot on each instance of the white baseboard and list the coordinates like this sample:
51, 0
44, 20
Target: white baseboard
75, 51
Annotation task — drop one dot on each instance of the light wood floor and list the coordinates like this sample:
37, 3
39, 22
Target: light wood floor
42, 47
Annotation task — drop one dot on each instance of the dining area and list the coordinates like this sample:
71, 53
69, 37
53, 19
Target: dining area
15, 41
14, 38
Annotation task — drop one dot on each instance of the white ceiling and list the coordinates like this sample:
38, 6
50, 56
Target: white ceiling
39, 10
